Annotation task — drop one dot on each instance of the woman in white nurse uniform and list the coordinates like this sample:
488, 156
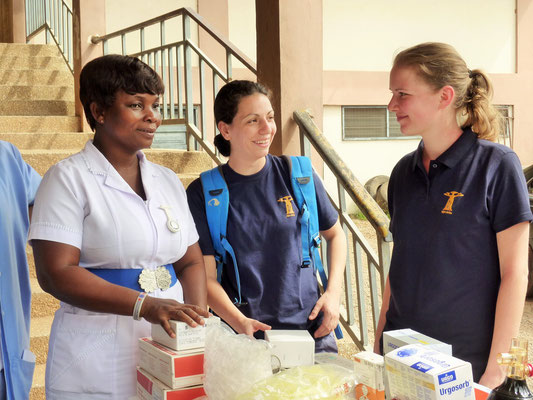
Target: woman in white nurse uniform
113, 239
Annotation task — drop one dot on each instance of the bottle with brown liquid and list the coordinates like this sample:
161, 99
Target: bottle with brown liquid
514, 386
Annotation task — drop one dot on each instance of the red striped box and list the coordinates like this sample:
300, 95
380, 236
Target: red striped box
177, 369
150, 388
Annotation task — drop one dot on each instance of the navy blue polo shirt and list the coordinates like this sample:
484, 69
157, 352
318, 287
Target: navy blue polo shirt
267, 243
444, 272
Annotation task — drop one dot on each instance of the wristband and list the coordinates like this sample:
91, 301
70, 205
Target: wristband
138, 305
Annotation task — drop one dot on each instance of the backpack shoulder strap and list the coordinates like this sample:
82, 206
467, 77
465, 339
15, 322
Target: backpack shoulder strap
303, 187
304, 192
216, 196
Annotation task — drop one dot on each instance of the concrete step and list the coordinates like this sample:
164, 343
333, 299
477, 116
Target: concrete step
22, 49
36, 77
36, 92
37, 388
33, 62
42, 303
180, 161
37, 107
31, 263
47, 140
187, 179
39, 335
32, 123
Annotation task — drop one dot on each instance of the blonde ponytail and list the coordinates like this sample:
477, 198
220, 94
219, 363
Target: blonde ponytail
484, 118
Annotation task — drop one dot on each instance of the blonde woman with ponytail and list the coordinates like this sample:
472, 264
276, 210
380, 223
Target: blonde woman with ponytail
459, 213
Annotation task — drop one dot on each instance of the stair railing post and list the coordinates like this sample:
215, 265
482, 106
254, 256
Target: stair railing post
187, 53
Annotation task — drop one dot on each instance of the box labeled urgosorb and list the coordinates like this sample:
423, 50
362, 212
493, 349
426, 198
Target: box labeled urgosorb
401, 337
419, 372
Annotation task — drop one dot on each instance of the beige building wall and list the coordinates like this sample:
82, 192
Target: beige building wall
361, 35
359, 42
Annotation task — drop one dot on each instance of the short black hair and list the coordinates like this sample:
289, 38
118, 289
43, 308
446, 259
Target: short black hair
103, 77
227, 104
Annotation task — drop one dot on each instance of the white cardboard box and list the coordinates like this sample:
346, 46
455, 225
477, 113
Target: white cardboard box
292, 347
176, 369
418, 372
401, 337
369, 371
150, 388
186, 337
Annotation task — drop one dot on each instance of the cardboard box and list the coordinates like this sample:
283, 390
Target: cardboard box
418, 372
187, 338
401, 337
481, 392
150, 388
292, 347
369, 370
175, 369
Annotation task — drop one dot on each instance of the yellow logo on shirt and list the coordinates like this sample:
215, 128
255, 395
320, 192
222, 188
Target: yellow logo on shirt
288, 205
213, 202
451, 197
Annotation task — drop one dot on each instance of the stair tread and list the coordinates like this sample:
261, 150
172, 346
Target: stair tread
35, 287
38, 376
41, 326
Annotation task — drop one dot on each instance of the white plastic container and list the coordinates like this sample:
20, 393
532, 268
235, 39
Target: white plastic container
292, 347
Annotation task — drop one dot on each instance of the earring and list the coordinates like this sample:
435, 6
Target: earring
101, 120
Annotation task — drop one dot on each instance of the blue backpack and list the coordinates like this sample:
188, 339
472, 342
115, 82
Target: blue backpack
217, 204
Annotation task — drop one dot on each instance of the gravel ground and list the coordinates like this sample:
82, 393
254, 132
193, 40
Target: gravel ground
347, 349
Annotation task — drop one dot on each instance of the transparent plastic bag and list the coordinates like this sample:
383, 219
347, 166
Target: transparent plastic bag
320, 381
233, 363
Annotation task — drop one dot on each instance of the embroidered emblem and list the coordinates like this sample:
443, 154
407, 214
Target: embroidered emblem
213, 202
288, 205
172, 224
451, 197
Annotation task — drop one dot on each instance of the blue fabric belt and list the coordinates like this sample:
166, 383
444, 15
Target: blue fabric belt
128, 277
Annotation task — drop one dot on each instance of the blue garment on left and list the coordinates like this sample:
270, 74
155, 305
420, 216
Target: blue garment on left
18, 185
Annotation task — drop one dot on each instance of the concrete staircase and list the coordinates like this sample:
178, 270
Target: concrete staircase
37, 115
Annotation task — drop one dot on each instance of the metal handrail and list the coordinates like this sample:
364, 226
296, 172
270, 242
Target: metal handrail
368, 289
55, 18
351, 184
247, 62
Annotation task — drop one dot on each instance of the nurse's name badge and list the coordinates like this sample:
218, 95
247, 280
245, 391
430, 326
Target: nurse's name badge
150, 280
172, 224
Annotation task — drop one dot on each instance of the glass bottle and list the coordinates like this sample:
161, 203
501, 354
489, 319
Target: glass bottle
514, 386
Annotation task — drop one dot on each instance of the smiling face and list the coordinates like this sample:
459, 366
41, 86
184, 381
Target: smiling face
130, 122
417, 105
252, 130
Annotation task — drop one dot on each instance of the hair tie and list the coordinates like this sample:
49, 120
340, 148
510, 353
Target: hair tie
470, 74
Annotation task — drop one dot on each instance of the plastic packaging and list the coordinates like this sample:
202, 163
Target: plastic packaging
233, 363
321, 381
